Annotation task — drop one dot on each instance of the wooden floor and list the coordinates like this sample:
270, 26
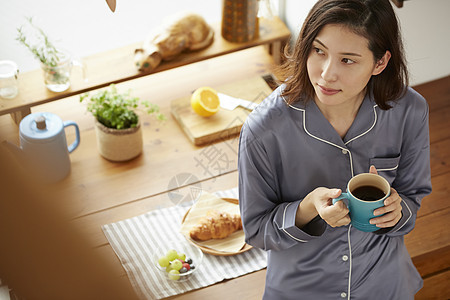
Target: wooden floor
432, 224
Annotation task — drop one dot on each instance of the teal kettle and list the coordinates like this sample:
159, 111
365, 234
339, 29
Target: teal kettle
44, 145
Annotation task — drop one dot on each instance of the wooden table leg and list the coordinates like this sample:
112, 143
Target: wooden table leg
276, 52
20, 114
276, 49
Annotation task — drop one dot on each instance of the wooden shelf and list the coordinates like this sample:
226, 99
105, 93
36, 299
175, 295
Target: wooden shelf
117, 65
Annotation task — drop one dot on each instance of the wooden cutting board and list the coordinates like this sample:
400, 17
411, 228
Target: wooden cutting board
225, 123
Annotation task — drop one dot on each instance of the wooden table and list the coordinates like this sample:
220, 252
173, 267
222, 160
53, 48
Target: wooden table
107, 192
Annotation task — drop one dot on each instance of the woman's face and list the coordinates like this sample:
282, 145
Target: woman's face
340, 65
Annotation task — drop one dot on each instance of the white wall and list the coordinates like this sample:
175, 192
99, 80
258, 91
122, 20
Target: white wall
426, 34
295, 12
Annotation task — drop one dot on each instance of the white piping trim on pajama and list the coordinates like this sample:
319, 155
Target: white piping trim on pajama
350, 262
410, 215
374, 122
317, 138
389, 169
284, 217
327, 142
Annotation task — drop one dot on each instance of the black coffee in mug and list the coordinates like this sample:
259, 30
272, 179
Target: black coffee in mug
368, 193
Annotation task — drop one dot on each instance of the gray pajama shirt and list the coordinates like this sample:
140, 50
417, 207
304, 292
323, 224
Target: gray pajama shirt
286, 151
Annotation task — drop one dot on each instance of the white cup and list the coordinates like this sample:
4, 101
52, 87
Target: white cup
8, 79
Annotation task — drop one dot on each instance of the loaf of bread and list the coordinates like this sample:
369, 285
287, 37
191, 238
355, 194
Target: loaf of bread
215, 225
179, 33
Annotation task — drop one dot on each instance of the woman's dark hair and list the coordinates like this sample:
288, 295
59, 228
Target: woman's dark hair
374, 20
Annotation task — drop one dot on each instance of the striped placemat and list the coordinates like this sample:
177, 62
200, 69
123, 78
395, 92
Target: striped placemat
133, 240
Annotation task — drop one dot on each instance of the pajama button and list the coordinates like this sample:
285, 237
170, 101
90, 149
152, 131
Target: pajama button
343, 295
344, 151
344, 257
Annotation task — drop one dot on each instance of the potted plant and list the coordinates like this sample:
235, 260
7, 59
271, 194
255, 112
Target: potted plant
56, 64
117, 126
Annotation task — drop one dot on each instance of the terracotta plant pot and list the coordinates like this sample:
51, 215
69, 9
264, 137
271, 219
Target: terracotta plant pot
119, 144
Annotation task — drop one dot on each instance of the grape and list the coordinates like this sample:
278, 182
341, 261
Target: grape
187, 266
182, 256
174, 275
176, 265
183, 270
168, 268
189, 260
163, 261
172, 254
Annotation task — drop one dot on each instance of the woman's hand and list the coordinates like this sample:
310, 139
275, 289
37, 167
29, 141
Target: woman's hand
319, 202
392, 209
335, 215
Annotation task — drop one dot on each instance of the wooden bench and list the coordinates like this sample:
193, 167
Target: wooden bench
429, 242
117, 65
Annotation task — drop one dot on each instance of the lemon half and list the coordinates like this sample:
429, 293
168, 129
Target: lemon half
205, 101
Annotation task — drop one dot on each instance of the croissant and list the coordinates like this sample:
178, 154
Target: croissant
215, 225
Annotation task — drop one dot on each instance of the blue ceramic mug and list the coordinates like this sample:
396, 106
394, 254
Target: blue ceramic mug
365, 193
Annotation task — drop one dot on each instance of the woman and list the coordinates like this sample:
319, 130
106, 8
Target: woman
343, 109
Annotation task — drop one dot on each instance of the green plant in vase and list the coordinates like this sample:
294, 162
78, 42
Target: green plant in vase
117, 123
55, 63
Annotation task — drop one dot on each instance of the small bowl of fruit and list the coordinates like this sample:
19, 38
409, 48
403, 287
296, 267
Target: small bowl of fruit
177, 260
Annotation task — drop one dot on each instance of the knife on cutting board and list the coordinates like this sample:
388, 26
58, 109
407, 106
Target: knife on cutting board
229, 103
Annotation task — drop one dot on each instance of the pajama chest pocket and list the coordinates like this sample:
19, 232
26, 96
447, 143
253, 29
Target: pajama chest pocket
386, 167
